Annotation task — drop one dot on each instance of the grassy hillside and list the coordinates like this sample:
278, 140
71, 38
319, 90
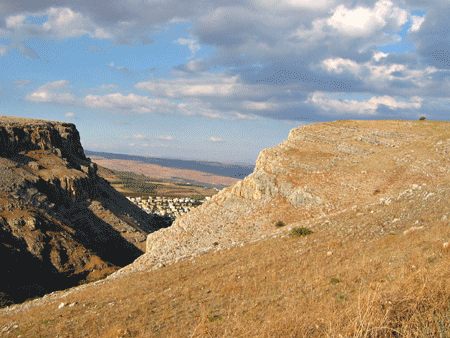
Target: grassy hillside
381, 271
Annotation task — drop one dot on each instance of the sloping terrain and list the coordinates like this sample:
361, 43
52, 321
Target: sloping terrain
319, 170
375, 195
60, 223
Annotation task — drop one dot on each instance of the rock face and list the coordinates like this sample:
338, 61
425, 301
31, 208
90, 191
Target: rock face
60, 223
320, 170
20, 134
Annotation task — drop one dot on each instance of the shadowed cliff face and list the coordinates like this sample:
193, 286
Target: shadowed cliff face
60, 223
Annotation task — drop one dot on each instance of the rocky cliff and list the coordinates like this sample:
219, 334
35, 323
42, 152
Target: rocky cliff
320, 170
60, 223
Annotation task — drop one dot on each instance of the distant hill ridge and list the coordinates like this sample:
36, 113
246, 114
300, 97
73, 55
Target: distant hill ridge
217, 168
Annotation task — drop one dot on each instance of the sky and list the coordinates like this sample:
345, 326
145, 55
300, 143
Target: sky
220, 80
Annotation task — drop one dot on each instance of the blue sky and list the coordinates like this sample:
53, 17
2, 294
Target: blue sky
220, 80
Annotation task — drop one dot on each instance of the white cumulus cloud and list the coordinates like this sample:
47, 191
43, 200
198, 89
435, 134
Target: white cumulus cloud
63, 22
15, 21
417, 21
380, 55
339, 65
363, 21
46, 93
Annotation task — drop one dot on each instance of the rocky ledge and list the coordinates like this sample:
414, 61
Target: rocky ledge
24, 134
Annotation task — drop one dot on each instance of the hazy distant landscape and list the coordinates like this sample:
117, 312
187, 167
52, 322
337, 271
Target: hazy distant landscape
173, 172
134, 184
216, 168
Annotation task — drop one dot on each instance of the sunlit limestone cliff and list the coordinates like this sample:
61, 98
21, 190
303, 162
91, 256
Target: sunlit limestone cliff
320, 170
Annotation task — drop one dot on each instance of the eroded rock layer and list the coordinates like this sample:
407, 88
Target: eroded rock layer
320, 170
60, 223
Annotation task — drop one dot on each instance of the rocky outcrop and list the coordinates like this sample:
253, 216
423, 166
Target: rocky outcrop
21, 134
262, 186
320, 170
60, 222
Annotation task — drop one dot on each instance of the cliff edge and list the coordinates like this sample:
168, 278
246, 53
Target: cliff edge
60, 223
321, 169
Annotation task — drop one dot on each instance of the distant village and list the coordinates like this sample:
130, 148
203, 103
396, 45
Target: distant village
169, 207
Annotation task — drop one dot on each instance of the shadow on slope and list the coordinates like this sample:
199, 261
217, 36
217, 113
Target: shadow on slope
70, 241
26, 276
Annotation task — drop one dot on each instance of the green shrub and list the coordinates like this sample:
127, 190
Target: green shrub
342, 297
280, 224
214, 318
334, 281
300, 232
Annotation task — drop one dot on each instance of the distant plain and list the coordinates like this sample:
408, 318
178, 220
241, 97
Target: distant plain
168, 176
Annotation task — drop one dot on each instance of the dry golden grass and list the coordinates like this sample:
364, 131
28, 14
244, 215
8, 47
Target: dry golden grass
357, 275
